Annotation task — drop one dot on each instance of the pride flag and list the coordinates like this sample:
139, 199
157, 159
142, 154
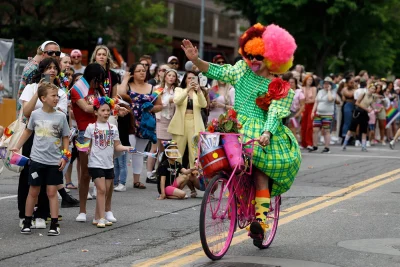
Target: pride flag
18, 159
8, 132
82, 147
391, 115
156, 93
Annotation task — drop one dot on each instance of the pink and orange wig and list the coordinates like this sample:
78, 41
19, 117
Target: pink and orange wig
272, 42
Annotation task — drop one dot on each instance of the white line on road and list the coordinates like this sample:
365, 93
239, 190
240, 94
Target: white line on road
351, 156
1, 198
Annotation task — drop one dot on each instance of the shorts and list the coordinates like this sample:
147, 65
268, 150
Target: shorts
169, 190
323, 121
98, 173
360, 117
371, 127
40, 174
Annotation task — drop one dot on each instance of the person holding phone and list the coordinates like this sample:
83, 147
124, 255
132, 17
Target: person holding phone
187, 121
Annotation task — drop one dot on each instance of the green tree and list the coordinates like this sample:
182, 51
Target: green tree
334, 35
79, 24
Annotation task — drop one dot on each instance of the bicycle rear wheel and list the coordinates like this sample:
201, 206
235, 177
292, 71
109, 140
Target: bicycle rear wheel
272, 221
217, 218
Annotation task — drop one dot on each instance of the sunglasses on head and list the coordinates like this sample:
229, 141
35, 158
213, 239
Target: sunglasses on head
52, 53
257, 57
174, 63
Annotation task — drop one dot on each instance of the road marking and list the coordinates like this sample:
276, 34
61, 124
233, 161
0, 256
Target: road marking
352, 156
166, 212
1, 198
244, 236
287, 211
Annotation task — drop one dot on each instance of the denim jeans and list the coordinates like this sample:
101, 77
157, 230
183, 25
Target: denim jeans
120, 169
347, 117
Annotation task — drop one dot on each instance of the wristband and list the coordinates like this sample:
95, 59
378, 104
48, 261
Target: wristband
66, 155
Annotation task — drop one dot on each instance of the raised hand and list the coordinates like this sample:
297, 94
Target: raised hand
191, 51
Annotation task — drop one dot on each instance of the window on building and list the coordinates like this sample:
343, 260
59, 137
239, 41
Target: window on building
226, 27
187, 18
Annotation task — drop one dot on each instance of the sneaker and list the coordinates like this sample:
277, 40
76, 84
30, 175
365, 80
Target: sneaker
107, 223
54, 230
95, 222
94, 193
383, 143
81, 217
326, 150
120, 188
69, 202
257, 230
26, 229
358, 143
151, 180
392, 144
368, 144
110, 217
364, 149
40, 223
89, 196
101, 223
21, 223
60, 218
312, 148
344, 148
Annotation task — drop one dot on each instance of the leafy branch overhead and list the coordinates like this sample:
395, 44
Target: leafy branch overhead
78, 24
333, 35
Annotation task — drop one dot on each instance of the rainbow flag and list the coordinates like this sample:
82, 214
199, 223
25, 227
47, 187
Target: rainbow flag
82, 147
8, 132
18, 159
391, 115
156, 93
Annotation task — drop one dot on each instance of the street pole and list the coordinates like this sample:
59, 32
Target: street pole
201, 43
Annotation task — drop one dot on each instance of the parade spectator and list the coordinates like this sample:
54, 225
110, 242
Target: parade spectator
104, 140
299, 73
76, 57
348, 106
310, 92
140, 92
102, 56
360, 118
65, 62
222, 97
187, 120
173, 62
145, 60
125, 128
47, 160
47, 49
297, 107
380, 106
322, 114
159, 75
30, 102
170, 82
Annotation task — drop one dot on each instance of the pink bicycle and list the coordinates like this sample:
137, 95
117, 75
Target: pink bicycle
228, 200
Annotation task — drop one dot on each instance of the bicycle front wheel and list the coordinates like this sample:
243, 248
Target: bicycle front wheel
217, 218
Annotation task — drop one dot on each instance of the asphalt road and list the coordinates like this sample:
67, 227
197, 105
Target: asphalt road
334, 215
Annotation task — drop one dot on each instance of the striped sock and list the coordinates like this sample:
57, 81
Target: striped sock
263, 200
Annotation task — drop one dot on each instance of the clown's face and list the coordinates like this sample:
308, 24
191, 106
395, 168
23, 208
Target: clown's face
256, 63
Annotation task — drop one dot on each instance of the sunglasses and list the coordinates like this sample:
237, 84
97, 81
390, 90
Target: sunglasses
174, 63
76, 57
257, 57
220, 62
162, 70
145, 64
52, 53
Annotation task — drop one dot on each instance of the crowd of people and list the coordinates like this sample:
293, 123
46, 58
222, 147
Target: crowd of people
93, 116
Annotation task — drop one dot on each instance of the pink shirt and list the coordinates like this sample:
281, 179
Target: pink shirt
298, 95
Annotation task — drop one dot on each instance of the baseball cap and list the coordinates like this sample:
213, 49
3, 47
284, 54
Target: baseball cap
172, 58
76, 52
217, 57
46, 43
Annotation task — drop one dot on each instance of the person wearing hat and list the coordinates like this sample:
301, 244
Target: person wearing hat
76, 57
45, 50
322, 114
171, 176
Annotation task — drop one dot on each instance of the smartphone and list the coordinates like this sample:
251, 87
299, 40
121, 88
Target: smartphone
46, 77
203, 80
195, 79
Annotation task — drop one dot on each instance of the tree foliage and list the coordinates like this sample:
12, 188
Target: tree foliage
79, 24
334, 35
